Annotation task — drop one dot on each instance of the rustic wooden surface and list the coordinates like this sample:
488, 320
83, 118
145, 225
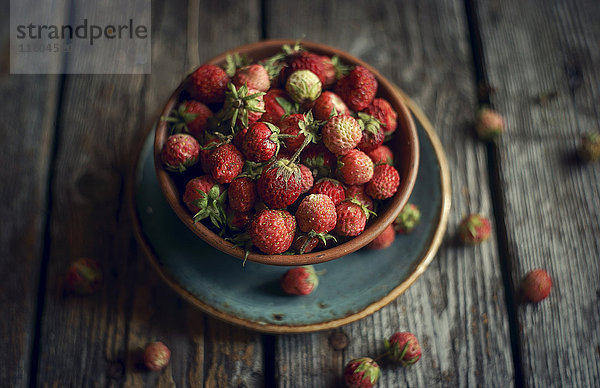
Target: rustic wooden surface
68, 146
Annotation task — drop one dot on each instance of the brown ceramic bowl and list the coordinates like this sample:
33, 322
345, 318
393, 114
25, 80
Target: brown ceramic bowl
404, 144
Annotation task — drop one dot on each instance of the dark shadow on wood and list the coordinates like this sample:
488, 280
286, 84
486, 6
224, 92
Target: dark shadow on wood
484, 90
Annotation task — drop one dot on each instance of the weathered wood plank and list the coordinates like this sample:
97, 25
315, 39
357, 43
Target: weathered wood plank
551, 200
28, 108
457, 307
98, 340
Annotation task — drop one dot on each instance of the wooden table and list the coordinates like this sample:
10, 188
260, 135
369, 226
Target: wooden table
67, 143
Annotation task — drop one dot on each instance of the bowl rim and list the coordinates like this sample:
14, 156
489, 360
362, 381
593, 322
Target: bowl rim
396, 203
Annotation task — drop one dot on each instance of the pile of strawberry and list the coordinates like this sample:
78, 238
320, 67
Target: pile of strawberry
285, 154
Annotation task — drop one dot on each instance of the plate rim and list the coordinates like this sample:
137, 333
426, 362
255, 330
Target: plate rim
419, 268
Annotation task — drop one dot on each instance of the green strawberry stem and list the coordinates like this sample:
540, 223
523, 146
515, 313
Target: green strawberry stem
382, 355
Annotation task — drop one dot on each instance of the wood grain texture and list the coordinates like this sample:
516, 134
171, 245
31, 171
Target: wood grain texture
28, 108
551, 200
457, 307
97, 341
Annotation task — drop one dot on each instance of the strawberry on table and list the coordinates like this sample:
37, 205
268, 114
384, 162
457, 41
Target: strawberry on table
300, 280
156, 356
536, 285
384, 240
84, 277
208, 84
361, 373
272, 231
474, 229
489, 125
403, 347
180, 152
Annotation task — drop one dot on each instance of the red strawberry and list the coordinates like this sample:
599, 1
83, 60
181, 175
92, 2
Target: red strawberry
243, 106
261, 142
382, 155
303, 243
180, 152
304, 60
358, 192
237, 220
351, 219
384, 240
297, 128
327, 104
279, 184
242, 194
361, 373
303, 86
205, 199
490, 124
205, 151
307, 179
474, 229
319, 160
272, 231
300, 280
384, 183
83, 277
190, 117
330, 187
372, 136
358, 88
383, 111
408, 218
277, 104
536, 285
156, 356
403, 348
226, 162
329, 72
341, 134
355, 168
253, 76
316, 213
208, 84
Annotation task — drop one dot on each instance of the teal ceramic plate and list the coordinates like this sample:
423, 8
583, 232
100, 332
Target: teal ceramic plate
351, 288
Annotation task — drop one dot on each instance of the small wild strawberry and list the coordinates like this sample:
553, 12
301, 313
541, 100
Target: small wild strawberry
384, 240
358, 192
316, 213
490, 124
590, 146
536, 285
242, 194
328, 104
331, 188
384, 113
253, 76
208, 84
261, 142
272, 231
361, 373
403, 348
372, 136
474, 229
277, 104
408, 219
382, 155
180, 152
205, 199
303, 86
156, 356
226, 163
83, 277
341, 134
304, 60
355, 168
190, 117
243, 106
358, 88
298, 129
300, 280
279, 184
351, 218
303, 243
384, 183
